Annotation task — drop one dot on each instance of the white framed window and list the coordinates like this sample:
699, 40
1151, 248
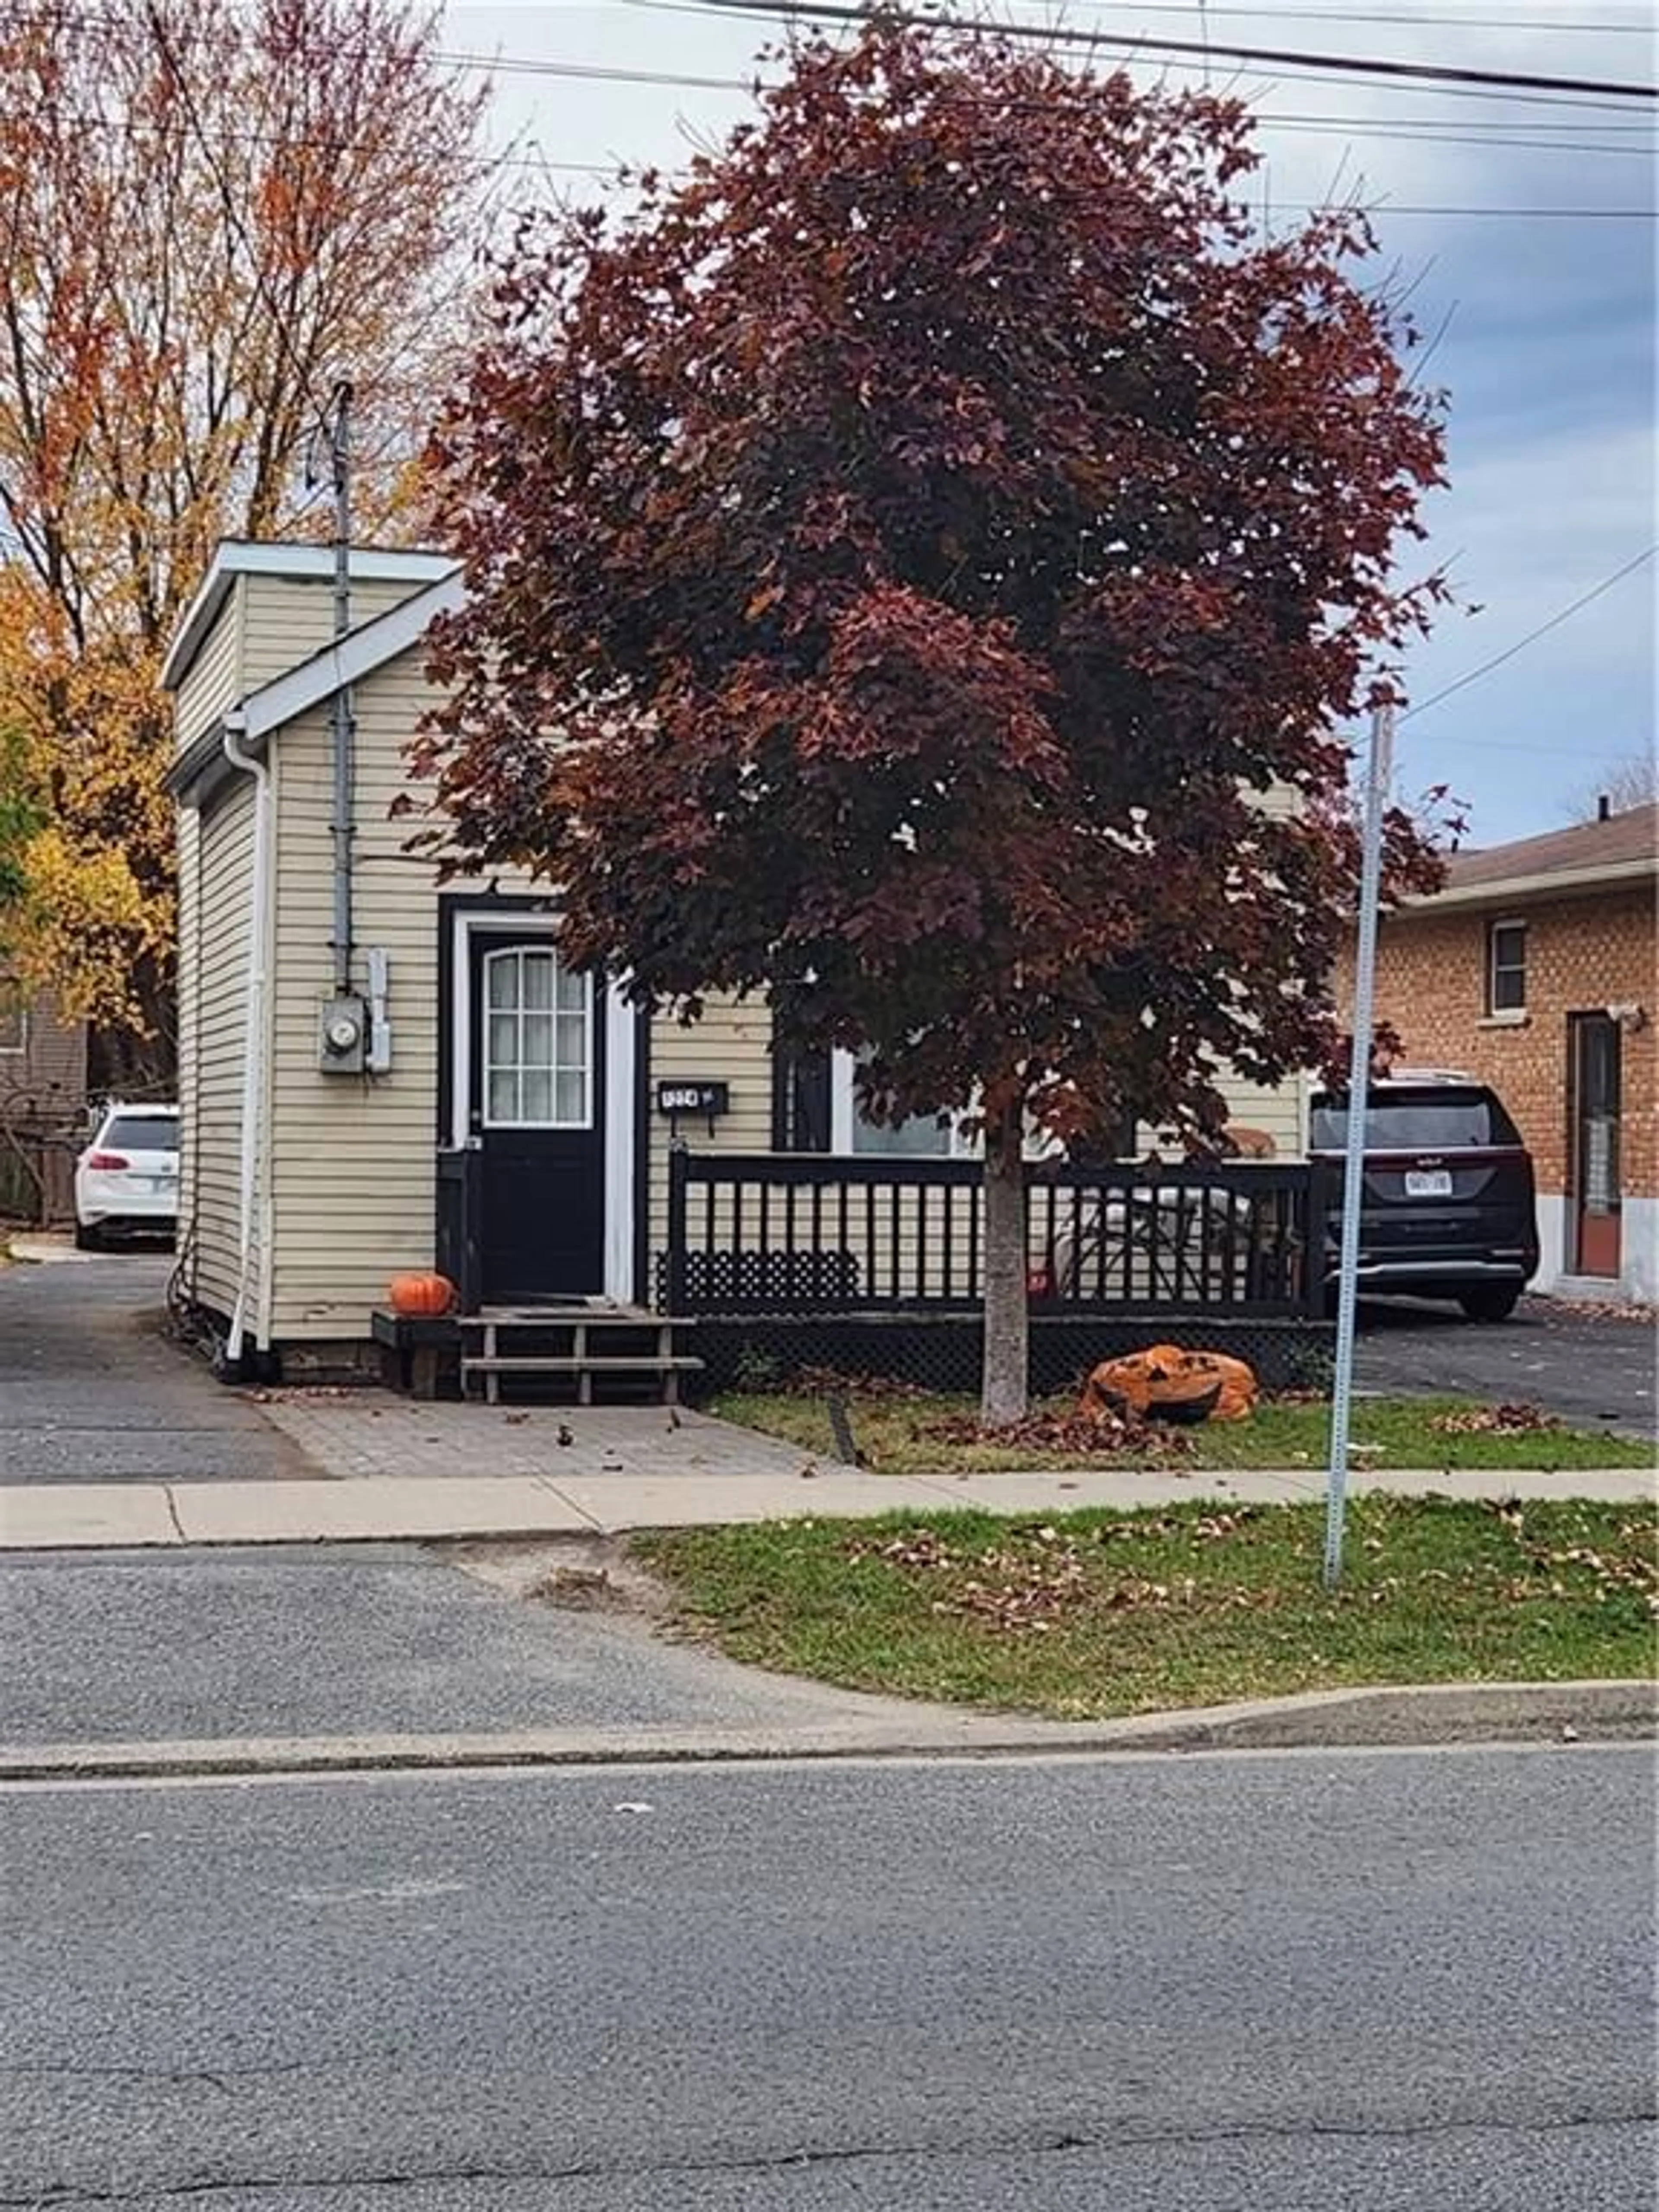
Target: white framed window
1506, 968
923, 1136
14, 1015
920, 1136
538, 1042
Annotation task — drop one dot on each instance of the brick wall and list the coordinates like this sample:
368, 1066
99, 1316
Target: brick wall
1583, 954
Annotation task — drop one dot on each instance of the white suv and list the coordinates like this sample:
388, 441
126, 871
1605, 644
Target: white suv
126, 1181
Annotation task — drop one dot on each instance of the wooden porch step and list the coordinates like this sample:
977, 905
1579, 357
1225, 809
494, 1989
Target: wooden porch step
533, 1363
659, 1365
570, 1317
582, 1342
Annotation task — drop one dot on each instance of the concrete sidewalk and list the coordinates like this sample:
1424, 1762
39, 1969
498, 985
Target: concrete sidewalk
392, 1508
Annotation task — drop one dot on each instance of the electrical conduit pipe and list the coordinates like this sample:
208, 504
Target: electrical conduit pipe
253, 1049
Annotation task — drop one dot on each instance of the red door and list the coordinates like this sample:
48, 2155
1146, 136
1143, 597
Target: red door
1596, 1084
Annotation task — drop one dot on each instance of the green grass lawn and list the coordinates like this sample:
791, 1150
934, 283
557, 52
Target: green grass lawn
1091, 1615
925, 1435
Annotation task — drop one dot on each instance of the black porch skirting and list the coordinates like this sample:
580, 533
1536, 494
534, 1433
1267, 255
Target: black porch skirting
944, 1351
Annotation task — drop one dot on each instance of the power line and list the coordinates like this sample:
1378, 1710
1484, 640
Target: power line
1395, 19
1399, 19
1437, 73
614, 170
784, 13
1428, 134
1424, 132
1414, 131
1532, 636
1503, 214
1407, 79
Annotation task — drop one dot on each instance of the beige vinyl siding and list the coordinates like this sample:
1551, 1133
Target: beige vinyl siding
354, 1158
188, 846
730, 1044
1280, 1112
215, 936
213, 682
289, 618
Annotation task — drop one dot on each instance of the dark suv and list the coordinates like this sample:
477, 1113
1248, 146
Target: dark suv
1447, 1209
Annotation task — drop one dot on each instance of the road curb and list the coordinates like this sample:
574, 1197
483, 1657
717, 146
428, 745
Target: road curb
1388, 1717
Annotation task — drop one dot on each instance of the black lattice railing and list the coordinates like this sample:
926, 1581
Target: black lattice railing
785, 1234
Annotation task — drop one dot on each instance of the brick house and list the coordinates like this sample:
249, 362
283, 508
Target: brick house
1534, 969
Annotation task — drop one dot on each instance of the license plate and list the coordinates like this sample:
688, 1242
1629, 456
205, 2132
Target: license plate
1428, 1182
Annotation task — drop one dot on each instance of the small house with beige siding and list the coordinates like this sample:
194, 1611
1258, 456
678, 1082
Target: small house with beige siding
381, 1074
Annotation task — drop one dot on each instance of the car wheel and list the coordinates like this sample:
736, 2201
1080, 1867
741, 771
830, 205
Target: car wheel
1492, 1301
87, 1238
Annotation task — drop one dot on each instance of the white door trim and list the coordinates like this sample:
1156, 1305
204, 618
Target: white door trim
620, 1050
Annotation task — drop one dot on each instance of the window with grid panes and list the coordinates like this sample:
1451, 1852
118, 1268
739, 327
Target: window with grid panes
538, 1042
1506, 968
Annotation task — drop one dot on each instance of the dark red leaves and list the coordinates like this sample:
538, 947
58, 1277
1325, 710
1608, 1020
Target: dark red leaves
904, 559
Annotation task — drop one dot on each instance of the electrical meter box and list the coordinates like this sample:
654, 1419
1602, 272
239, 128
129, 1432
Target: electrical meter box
343, 1036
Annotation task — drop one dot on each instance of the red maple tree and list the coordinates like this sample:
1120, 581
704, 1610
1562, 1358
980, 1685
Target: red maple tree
903, 555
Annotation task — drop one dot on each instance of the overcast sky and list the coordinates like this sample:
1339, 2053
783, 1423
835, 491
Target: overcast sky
1544, 305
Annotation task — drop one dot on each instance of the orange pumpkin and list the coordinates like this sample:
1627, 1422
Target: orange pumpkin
1168, 1382
426, 1296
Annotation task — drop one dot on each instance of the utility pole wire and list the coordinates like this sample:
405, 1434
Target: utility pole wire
829, 11
323, 422
1532, 635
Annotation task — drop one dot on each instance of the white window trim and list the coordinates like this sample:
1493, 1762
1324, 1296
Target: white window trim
1493, 1011
582, 1122
843, 1118
621, 1197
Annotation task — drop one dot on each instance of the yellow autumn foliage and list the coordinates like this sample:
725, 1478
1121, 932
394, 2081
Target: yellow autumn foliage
209, 214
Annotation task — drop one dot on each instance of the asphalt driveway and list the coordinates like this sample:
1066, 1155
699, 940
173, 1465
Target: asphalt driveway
91, 1390
1593, 1371
327, 1641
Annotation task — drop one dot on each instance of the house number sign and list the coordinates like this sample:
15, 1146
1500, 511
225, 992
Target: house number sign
704, 1102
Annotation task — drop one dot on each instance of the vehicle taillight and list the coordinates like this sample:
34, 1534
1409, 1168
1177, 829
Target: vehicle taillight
109, 1162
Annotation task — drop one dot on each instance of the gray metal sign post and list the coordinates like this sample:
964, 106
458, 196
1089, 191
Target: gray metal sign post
1378, 770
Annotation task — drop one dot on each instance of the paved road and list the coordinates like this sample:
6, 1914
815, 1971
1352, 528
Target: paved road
1594, 1373
354, 1641
91, 1391
1244, 1985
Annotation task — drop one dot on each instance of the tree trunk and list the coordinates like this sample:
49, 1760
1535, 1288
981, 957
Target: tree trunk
1003, 1395
122, 1063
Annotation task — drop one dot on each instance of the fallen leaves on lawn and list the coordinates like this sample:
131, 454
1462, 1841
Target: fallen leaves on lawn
1108, 1436
1036, 1575
1517, 1419
1634, 1572
830, 1383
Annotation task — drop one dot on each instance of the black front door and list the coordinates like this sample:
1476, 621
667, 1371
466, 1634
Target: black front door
538, 1116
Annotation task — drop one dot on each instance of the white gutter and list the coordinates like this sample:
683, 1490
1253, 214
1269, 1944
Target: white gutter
253, 1047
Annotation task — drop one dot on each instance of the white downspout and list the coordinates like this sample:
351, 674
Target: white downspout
257, 999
